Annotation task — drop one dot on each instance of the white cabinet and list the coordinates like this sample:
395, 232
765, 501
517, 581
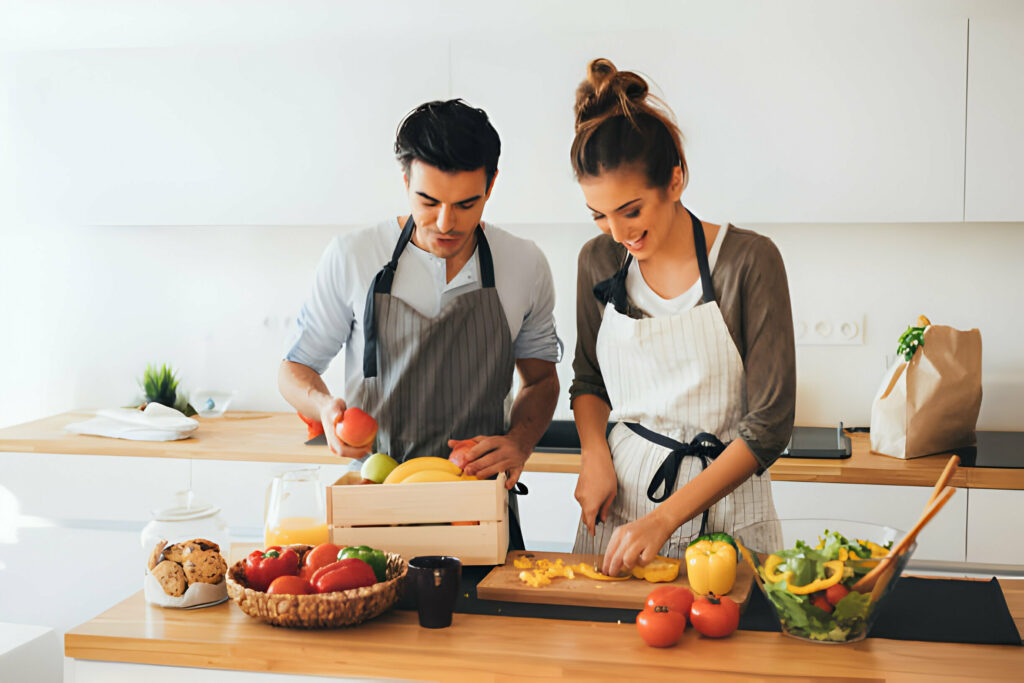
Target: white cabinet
944, 538
792, 111
289, 134
994, 531
995, 114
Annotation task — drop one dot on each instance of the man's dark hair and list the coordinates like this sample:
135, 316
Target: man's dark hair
451, 136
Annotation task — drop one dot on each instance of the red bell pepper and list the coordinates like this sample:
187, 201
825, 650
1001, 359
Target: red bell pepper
343, 575
263, 566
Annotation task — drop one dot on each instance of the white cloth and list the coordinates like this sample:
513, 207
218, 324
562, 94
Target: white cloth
649, 301
679, 376
155, 423
332, 316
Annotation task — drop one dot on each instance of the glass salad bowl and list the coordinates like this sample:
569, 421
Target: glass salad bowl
807, 569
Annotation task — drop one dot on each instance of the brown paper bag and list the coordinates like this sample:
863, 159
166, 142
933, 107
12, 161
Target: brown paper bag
930, 404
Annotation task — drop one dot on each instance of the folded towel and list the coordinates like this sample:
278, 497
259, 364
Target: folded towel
155, 423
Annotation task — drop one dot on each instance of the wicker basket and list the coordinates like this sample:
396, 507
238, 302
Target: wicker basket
319, 610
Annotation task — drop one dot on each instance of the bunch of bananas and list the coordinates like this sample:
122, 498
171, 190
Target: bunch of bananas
430, 469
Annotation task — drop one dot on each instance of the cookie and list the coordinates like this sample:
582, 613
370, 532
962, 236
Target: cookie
204, 566
171, 577
157, 555
179, 551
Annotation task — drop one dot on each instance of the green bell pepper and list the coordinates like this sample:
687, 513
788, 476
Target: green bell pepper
377, 560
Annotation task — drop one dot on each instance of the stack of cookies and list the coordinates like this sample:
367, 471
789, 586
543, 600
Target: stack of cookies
189, 563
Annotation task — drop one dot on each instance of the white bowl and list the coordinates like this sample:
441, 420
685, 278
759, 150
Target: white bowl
210, 402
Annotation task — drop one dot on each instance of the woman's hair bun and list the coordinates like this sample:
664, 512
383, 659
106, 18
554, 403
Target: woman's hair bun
607, 90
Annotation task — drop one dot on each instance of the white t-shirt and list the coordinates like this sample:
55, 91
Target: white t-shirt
645, 298
332, 316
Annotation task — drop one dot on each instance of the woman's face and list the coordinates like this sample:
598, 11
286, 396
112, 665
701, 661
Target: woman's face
636, 215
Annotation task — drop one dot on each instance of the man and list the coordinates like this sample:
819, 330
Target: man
432, 339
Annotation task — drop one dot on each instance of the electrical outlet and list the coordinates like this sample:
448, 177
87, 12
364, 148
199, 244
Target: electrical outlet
829, 330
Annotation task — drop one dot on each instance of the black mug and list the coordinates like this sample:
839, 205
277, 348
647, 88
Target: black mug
434, 582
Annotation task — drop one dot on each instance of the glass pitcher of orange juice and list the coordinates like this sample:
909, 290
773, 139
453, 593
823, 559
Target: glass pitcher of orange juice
296, 509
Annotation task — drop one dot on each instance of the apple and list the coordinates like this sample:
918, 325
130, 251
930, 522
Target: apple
356, 428
377, 467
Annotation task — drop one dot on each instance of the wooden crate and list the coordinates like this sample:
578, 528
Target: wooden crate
415, 519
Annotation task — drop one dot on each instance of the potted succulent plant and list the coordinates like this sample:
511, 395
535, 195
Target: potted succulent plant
159, 385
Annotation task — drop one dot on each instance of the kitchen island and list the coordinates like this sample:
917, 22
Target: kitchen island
481, 647
278, 437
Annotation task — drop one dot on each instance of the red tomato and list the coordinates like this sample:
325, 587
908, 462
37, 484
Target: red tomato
678, 598
822, 603
715, 617
344, 575
356, 428
836, 593
321, 555
289, 585
660, 626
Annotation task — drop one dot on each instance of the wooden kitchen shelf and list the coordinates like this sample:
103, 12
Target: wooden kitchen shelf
278, 437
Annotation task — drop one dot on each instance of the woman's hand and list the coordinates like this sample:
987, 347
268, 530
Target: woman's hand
596, 487
637, 543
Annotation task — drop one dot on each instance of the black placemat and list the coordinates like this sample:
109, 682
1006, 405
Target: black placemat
938, 610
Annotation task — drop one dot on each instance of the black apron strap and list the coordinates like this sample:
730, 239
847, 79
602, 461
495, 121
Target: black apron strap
515, 529
704, 446
701, 246
385, 278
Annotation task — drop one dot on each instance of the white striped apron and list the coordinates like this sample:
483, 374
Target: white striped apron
679, 376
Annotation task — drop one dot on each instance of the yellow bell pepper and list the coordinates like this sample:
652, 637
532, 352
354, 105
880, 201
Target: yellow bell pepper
711, 567
818, 584
522, 562
534, 578
660, 569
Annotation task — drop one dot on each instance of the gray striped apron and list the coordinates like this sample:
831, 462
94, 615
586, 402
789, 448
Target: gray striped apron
427, 380
676, 386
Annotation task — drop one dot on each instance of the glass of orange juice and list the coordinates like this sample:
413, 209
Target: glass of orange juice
296, 509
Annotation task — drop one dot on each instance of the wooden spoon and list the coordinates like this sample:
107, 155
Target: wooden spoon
867, 582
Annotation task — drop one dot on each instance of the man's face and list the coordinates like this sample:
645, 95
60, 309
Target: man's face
446, 207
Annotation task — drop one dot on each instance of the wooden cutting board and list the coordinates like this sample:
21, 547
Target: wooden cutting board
503, 583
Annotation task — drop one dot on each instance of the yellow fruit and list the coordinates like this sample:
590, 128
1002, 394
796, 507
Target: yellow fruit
467, 477
424, 476
408, 467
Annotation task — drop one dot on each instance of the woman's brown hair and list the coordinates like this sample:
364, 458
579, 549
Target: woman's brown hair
618, 122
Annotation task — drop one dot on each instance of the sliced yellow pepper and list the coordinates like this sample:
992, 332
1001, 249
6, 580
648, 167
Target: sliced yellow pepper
770, 566
591, 573
876, 550
522, 562
711, 567
534, 578
819, 584
660, 569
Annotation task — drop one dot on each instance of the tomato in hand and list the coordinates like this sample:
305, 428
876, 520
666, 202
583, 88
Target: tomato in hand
290, 585
836, 593
660, 626
678, 598
715, 617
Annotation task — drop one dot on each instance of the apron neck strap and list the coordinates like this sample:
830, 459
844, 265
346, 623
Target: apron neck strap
701, 246
385, 278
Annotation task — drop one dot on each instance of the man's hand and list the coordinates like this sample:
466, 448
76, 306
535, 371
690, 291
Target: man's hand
636, 543
596, 488
331, 413
494, 454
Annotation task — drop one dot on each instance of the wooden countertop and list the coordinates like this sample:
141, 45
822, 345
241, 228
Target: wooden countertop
278, 437
479, 648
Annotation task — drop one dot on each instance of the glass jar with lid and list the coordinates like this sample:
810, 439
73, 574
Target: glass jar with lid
183, 519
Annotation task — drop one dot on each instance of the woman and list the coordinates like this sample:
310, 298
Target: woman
685, 340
